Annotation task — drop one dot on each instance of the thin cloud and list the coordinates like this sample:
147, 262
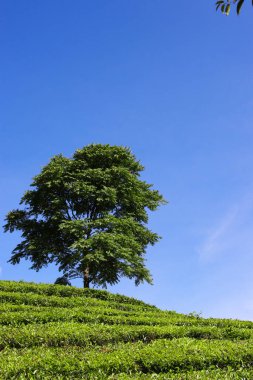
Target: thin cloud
216, 239
226, 261
233, 231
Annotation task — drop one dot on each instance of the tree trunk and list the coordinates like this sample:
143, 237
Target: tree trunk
86, 280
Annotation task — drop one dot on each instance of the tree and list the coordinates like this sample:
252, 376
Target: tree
225, 5
88, 215
63, 280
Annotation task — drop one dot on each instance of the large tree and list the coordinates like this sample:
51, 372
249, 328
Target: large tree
88, 214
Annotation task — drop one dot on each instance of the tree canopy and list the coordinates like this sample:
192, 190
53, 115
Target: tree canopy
88, 215
63, 280
225, 5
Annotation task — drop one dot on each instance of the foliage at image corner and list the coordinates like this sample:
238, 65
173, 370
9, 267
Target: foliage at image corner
225, 6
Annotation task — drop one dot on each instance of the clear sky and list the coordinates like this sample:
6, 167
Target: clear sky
174, 82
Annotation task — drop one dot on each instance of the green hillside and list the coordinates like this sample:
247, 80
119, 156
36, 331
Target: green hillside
57, 332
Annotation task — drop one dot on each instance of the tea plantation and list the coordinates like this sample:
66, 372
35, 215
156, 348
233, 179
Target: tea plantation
57, 332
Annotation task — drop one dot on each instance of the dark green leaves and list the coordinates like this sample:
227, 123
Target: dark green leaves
225, 5
87, 214
239, 5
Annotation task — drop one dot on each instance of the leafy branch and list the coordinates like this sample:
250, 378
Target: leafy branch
225, 5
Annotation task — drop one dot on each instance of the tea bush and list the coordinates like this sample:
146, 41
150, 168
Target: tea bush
56, 332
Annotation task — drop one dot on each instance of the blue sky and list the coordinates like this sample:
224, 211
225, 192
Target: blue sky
171, 80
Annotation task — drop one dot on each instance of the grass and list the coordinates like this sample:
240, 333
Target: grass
56, 332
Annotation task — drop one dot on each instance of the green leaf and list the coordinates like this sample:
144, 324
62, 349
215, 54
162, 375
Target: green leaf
223, 8
227, 9
239, 5
218, 4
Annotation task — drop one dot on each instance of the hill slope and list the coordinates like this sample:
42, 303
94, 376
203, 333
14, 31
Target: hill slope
57, 332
